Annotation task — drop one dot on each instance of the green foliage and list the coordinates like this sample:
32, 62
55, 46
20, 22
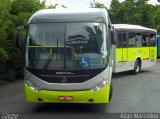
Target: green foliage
3, 59
95, 4
8, 75
55, 6
116, 12
134, 12
14, 13
29, 6
52, 6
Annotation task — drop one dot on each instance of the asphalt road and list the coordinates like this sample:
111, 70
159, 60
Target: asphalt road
131, 94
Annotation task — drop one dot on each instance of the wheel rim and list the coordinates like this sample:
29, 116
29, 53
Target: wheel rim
137, 67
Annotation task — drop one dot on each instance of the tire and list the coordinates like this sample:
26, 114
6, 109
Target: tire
110, 92
137, 67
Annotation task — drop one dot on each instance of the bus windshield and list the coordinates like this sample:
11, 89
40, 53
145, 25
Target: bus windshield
66, 46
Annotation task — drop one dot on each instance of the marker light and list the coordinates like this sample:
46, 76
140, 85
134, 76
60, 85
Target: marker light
99, 86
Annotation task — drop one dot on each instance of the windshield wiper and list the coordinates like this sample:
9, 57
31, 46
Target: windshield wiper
49, 59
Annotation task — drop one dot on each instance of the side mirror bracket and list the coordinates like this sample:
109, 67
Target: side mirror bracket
18, 40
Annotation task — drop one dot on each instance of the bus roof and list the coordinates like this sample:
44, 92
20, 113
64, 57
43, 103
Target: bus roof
132, 27
70, 15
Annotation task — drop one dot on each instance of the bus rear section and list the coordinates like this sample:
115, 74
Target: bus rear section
68, 57
158, 46
135, 48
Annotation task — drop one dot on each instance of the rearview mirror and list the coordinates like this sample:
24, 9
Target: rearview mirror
18, 40
22, 27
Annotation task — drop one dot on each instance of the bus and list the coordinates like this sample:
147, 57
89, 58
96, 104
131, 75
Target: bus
158, 46
134, 47
68, 56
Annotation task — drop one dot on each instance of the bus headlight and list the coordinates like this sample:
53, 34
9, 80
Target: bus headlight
99, 86
32, 86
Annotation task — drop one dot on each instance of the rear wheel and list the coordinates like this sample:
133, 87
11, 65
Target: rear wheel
137, 67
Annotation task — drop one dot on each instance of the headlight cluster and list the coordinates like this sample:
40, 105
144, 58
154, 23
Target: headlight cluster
99, 86
32, 86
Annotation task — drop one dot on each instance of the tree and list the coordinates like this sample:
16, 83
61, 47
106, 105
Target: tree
95, 4
116, 12
14, 13
53, 6
157, 18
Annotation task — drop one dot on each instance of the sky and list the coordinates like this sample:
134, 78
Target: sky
85, 3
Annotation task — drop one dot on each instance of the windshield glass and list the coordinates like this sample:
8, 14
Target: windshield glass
66, 46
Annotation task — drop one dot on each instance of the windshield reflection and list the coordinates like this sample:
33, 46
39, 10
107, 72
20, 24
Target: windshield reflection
66, 46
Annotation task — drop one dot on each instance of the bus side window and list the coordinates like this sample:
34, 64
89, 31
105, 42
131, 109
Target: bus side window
119, 41
145, 39
132, 40
124, 40
138, 40
152, 39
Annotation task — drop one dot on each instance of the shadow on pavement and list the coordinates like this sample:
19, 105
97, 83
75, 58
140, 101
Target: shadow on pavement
127, 73
69, 108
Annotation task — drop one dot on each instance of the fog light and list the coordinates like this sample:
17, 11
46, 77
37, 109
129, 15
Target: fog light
32, 86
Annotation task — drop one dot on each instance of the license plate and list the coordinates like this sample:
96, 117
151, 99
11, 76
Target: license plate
65, 98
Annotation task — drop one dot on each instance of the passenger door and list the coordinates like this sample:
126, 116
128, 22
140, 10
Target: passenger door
121, 53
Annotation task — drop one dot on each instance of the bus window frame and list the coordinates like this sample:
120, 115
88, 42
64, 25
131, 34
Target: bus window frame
128, 39
122, 33
154, 40
148, 39
137, 39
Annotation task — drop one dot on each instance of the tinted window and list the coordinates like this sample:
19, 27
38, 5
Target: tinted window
46, 34
138, 39
67, 46
124, 40
132, 40
152, 39
121, 41
145, 39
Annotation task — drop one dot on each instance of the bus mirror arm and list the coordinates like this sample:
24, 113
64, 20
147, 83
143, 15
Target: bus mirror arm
112, 35
22, 27
25, 26
18, 40
109, 26
19, 35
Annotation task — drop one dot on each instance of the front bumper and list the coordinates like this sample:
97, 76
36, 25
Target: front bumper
86, 96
